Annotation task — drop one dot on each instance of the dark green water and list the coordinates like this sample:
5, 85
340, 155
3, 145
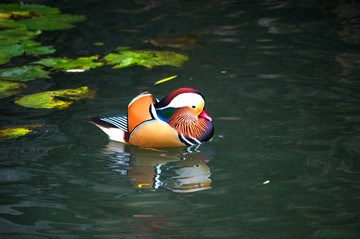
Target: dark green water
282, 85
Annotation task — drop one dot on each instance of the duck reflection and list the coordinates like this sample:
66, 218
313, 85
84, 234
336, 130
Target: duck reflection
177, 169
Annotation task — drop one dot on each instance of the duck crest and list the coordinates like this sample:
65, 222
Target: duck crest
166, 100
187, 124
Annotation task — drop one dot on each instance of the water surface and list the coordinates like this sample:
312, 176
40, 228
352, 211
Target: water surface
281, 81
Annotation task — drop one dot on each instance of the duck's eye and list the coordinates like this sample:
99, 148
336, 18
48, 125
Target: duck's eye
194, 106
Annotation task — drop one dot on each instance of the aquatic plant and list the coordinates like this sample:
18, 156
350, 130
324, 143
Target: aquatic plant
71, 65
60, 99
17, 131
8, 88
23, 73
148, 59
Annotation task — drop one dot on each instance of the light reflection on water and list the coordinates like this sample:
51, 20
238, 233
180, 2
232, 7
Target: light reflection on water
281, 81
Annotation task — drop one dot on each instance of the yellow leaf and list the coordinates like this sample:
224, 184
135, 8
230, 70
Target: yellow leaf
266, 182
14, 132
166, 79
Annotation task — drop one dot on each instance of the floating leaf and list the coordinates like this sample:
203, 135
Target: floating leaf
52, 99
10, 88
16, 36
5, 15
13, 49
166, 79
23, 74
32, 47
148, 59
67, 64
52, 22
16, 15
186, 41
11, 24
15, 132
18, 8
4, 57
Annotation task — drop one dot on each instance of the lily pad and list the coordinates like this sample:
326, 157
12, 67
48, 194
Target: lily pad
19, 8
16, 40
11, 24
23, 74
148, 59
8, 88
13, 49
16, 36
52, 99
67, 64
52, 22
35, 48
14, 132
4, 57
20, 23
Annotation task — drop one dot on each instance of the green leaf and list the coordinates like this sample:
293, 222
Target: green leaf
40, 50
4, 57
52, 99
10, 88
23, 74
40, 9
13, 49
14, 132
32, 47
67, 64
16, 36
11, 24
52, 22
147, 59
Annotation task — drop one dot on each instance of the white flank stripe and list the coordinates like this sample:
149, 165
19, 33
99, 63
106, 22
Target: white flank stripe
197, 141
187, 141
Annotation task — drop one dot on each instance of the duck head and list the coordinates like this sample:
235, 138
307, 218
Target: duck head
183, 109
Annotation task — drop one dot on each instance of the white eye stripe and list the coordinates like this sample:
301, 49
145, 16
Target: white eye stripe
186, 99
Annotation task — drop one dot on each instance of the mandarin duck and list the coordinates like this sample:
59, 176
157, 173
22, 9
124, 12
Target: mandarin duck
179, 119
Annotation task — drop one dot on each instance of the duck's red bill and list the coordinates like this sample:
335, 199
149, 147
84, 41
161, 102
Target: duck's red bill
205, 116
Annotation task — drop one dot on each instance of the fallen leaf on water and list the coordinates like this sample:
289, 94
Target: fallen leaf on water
35, 48
166, 79
52, 22
71, 65
22, 9
51, 99
266, 182
148, 59
23, 73
8, 88
14, 132
4, 57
